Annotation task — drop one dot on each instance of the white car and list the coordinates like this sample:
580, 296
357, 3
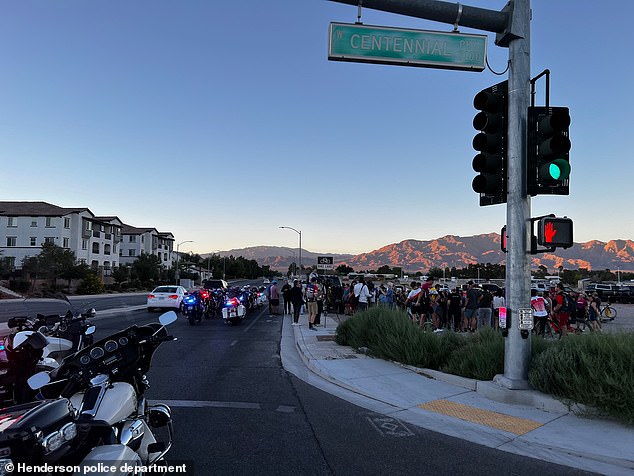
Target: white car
166, 297
266, 281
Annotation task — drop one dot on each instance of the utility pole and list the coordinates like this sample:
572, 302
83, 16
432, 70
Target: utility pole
512, 28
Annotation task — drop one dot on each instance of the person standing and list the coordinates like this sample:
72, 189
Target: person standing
286, 289
297, 298
540, 311
362, 292
470, 321
311, 294
559, 309
454, 309
485, 308
593, 313
275, 299
412, 300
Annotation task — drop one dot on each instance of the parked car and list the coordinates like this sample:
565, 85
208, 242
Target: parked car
491, 287
610, 291
166, 297
215, 284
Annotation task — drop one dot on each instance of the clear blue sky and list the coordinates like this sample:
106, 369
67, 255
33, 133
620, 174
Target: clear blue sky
222, 120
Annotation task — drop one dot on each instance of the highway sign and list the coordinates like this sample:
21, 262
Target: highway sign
406, 47
325, 262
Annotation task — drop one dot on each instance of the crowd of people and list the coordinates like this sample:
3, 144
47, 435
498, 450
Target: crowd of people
460, 309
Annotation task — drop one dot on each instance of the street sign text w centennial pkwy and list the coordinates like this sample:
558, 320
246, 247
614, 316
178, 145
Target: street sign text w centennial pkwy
406, 47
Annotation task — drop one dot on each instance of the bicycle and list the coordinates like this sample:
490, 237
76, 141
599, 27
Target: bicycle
607, 313
551, 331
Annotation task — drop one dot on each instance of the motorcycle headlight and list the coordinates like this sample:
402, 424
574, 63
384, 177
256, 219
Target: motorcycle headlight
55, 440
4, 371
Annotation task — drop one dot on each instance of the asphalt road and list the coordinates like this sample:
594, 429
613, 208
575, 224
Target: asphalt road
237, 411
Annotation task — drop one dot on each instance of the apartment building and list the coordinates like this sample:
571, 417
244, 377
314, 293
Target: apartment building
25, 226
146, 240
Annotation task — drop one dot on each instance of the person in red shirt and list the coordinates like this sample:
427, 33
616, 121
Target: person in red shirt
561, 315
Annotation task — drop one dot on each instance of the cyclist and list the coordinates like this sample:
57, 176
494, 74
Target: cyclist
540, 311
559, 311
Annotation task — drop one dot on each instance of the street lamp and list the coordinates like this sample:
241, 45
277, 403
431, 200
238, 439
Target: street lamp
177, 272
300, 244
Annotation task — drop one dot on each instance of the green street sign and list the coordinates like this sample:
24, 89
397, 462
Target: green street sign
406, 47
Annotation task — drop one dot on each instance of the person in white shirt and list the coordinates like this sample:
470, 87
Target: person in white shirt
412, 298
540, 310
362, 292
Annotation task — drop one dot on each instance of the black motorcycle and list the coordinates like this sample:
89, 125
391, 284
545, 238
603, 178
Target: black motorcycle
193, 308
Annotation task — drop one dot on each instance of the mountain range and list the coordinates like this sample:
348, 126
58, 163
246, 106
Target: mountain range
451, 251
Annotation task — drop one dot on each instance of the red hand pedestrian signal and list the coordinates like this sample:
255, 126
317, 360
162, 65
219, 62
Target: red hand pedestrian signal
555, 232
549, 231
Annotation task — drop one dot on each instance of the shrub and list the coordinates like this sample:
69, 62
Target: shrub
481, 358
91, 284
594, 369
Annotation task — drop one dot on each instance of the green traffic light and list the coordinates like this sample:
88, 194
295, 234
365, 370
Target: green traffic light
559, 169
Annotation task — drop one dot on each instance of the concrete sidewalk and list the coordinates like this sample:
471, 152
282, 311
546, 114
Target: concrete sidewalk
523, 422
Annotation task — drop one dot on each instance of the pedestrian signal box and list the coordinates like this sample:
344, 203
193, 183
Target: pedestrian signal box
554, 232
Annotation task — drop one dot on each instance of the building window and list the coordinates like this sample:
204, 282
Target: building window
66, 243
49, 239
12, 240
95, 248
106, 249
10, 260
33, 241
66, 222
12, 222
131, 252
33, 222
132, 238
49, 222
84, 244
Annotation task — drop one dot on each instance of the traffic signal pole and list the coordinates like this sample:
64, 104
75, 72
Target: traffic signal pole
512, 26
518, 210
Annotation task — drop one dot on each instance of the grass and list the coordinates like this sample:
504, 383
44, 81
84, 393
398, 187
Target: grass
592, 369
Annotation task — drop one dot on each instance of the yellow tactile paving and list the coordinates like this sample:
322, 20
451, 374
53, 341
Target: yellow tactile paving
518, 426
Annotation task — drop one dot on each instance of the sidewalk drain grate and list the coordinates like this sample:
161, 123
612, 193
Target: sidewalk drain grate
326, 338
500, 421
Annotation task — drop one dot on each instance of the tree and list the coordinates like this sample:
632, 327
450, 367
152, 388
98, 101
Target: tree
120, 274
51, 263
344, 269
147, 267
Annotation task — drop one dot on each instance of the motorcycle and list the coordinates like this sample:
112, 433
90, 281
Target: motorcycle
233, 311
21, 356
193, 308
96, 412
25, 351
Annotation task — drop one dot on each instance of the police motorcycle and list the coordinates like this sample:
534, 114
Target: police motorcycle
94, 409
193, 307
233, 310
26, 350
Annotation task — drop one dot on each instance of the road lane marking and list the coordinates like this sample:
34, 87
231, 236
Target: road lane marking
218, 404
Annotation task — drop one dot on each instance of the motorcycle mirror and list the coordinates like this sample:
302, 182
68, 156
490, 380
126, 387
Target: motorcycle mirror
38, 380
167, 318
90, 330
92, 312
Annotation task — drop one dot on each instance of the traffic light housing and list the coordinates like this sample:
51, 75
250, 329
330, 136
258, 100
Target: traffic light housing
554, 232
548, 154
491, 144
